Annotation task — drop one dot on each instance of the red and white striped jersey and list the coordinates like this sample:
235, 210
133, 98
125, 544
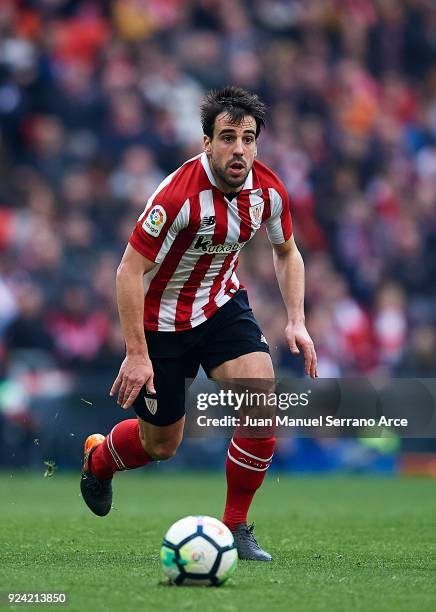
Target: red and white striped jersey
194, 234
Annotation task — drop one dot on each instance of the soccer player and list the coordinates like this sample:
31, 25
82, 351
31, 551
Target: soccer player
183, 254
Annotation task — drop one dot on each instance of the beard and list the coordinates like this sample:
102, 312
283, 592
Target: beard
228, 179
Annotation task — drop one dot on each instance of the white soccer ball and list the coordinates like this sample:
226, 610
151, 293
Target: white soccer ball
198, 550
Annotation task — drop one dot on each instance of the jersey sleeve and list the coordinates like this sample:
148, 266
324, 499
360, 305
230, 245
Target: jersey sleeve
157, 228
279, 224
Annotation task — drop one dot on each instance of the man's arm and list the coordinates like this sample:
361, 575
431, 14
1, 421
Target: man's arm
136, 369
289, 268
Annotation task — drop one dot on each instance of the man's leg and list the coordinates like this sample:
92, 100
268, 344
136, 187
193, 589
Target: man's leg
154, 435
248, 459
130, 444
134, 443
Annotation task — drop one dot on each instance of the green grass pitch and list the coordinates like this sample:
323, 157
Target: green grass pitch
338, 544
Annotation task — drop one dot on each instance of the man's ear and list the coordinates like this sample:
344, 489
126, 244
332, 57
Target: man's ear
255, 151
207, 144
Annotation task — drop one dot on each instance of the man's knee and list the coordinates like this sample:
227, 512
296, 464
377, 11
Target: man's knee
159, 450
161, 443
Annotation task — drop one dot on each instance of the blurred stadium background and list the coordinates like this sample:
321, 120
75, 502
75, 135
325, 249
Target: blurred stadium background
99, 101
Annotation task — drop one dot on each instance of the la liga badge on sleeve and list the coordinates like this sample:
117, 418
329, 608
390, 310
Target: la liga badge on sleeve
155, 220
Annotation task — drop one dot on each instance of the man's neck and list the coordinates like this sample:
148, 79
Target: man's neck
232, 195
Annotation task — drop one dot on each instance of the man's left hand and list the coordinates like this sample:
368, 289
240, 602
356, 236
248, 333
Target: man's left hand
298, 338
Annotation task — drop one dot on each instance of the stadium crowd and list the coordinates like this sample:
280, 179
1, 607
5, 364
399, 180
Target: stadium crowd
99, 101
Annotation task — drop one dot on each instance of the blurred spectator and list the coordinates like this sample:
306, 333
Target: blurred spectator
420, 360
28, 329
78, 330
138, 174
390, 323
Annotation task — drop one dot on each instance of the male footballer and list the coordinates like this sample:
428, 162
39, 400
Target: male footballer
183, 254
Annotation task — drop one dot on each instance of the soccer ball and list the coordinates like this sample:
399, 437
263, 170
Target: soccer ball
198, 550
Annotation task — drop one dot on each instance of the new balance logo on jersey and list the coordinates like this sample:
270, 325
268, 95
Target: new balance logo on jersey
207, 246
207, 221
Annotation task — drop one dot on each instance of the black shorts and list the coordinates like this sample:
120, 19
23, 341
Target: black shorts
231, 332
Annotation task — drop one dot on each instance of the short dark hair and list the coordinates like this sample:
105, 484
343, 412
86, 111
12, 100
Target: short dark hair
236, 102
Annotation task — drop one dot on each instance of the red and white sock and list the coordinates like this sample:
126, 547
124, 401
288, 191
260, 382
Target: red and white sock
247, 462
121, 450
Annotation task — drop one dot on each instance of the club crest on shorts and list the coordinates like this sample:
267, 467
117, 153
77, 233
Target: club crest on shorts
155, 220
151, 404
256, 207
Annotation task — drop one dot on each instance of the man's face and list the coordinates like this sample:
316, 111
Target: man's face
231, 151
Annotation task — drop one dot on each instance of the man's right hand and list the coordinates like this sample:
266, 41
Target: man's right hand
135, 372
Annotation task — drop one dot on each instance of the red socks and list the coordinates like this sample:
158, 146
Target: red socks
247, 462
121, 450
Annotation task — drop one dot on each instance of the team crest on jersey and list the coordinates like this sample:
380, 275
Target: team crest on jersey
155, 220
256, 207
151, 404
